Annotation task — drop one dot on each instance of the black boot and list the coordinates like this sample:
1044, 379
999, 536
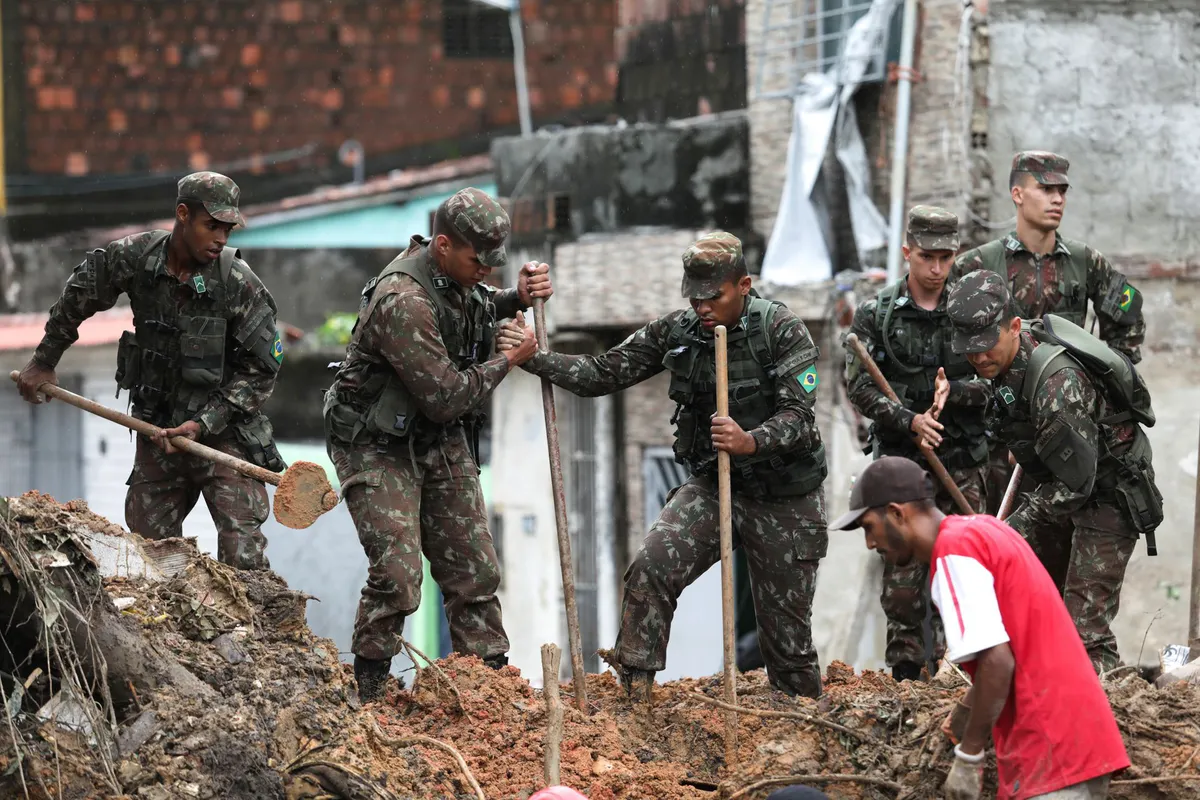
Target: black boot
371, 674
906, 671
496, 662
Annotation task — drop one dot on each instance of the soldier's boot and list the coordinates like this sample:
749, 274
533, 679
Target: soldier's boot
906, 671
496, 662
371, 675
640, 679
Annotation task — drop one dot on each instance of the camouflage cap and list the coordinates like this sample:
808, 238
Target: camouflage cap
708, 263
1049, 169
218, 194
933, 228
483, 222
977, 307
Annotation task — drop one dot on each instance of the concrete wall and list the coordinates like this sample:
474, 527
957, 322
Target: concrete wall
1112, 86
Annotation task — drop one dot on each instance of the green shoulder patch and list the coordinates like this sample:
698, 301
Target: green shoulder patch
809, 380
198, 282
1006, 394
1127, 295
277, 347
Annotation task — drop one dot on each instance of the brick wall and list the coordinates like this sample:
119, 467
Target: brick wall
113, 86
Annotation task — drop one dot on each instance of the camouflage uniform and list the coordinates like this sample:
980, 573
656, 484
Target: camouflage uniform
909, 344
205, 350
402, 420
1060, 282
778, 502
1067, 432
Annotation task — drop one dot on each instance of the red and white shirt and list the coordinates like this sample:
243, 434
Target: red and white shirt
1057, 728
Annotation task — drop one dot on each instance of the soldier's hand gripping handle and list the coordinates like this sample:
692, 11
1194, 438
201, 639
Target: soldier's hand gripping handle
31, 378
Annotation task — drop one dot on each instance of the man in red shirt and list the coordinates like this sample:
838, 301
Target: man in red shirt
1034, 688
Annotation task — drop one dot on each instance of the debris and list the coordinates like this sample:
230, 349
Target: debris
67, 711
281, 723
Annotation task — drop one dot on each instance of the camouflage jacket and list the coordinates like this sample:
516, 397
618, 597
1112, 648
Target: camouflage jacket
1068, 397
1037, 287
403, 333
792, 428
916, 332
137, 267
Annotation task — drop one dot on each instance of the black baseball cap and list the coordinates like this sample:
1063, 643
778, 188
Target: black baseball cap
890, 479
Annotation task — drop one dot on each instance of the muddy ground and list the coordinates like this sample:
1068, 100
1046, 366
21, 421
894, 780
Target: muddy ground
246, 703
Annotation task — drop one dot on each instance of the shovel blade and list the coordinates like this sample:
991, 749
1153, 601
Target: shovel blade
304, 494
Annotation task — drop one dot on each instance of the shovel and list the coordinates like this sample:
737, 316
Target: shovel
303, 492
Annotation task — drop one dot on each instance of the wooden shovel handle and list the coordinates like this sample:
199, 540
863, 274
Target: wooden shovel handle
935, 463
146, 429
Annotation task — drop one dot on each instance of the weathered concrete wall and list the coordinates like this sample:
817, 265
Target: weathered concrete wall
1112, 85
686, 174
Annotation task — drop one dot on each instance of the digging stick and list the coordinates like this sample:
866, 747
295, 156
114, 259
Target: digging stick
1010, 494
303, 478
726, 527
551, 659
935, 463
566, 564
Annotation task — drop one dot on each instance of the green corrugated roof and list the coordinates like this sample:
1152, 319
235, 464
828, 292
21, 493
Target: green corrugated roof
382, 226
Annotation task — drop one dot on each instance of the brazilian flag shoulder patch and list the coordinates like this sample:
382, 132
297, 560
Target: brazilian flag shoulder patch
1127, 295
277, 347
809, 379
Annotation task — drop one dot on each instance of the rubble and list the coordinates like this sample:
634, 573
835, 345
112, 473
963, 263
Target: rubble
225, 693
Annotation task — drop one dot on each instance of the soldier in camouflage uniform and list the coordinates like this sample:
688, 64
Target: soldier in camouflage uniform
402, 424
200, 363
1047, 273
1087, 456
905, 329
777, 458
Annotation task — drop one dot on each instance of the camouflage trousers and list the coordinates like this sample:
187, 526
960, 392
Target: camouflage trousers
905, 594
1088, 566
163, 490
783, 539
402, 505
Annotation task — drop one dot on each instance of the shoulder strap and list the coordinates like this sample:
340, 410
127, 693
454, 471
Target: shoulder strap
760, 313
1041, 360
686, 323
991, 256
885, 301
400, 265
226, 261
1076, 271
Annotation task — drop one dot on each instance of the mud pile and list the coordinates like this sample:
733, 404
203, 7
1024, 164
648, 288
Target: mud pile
146, 670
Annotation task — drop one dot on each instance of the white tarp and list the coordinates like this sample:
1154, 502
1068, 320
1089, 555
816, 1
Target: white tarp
797, 251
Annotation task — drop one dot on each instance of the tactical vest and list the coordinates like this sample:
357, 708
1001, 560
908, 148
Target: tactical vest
385, 406
175, 356
1072, 277
911, 366
1125, 478
691, 360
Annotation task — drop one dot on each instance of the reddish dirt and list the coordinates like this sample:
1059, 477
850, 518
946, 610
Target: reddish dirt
303, 495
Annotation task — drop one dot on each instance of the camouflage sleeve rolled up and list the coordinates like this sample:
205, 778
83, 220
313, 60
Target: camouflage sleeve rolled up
508, 303
1066, 398
632, 361
1118, 306
793, 426
405, 332
254, 355
93, 286
973, 392
864, 395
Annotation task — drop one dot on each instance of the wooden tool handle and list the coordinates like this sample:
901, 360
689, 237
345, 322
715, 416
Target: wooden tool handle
935, 463
725, 502
146, 429
1010, 494
565, 562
